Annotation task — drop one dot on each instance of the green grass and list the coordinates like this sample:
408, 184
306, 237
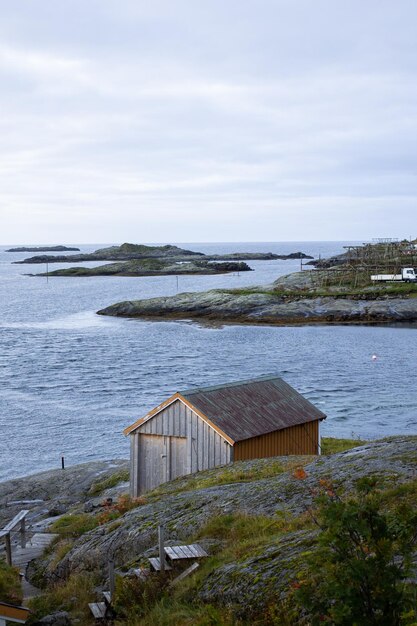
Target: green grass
74, 525
346, 291
10, 588
238, 472
73, 596
330, 445
240, 536
101, 485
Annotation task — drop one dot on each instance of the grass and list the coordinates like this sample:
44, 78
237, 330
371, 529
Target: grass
238, 472
101, 485
10, 588
405, 493
73, 596
346, 291
74, 525
240, 536
330, 445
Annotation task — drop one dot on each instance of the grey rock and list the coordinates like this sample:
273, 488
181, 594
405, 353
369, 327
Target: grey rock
183, 512
60, 618
54, 490
270, 305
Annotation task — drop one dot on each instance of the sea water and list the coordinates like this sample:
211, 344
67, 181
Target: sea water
71, 381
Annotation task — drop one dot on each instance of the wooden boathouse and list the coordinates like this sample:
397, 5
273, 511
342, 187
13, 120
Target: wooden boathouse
202, 428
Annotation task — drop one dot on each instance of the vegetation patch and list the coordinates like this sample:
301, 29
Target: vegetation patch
239, 472
10, 588
360, 571
372, 292
73, 596
330, 445
118, 477
75, 524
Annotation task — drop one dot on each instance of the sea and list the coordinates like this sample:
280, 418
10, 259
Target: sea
71, 381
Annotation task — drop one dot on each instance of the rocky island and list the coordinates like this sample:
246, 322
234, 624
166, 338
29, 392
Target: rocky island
153, 267
44, 249
292, 299
341, 291
124, 252
256, 519
131, 252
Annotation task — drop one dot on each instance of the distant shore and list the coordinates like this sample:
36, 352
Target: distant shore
44, 249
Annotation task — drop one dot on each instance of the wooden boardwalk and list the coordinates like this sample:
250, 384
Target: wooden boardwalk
21, 556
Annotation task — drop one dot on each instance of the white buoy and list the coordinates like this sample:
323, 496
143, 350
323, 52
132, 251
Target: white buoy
374, 357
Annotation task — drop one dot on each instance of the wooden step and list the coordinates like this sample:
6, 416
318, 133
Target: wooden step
98, 609
107, 597
156, 564
192, 551
186, 573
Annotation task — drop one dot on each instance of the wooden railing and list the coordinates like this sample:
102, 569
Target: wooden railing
6, 532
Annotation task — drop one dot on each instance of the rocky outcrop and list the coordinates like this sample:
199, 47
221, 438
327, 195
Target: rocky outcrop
334, 261
153, 267
259, 256
184, 511
130, 252
52, 492
263, 489
125, 252
270, 307
44, 249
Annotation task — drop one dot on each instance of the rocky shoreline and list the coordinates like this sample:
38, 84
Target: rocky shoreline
286, 302
153, 267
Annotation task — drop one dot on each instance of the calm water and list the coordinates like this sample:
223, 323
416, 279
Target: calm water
70, 381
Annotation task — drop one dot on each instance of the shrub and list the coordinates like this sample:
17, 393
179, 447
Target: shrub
358, 573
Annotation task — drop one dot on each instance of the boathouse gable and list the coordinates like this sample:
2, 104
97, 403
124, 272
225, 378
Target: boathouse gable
173, 441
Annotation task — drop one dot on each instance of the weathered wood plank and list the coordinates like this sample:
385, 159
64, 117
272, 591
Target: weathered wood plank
15, 521
191, 551
98, 609
107, 597
156, 563
185, 573
200, 552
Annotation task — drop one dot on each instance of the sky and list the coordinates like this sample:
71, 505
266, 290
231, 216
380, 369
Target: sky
207, 120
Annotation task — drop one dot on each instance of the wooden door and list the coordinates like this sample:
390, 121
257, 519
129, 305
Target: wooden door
161, 458
177, 457
153, 459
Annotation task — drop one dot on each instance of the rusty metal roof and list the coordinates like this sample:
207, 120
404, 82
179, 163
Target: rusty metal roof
254, 407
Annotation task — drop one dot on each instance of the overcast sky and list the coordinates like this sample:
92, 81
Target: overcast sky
207, 120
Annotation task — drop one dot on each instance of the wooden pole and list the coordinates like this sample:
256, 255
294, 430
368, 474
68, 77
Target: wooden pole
8, 549
161, 548
23, 533
111, 579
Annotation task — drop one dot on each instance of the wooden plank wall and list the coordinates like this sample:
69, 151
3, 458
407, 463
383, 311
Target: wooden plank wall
204, 448
301, 439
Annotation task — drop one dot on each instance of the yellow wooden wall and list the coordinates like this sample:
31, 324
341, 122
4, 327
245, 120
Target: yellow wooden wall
301, 439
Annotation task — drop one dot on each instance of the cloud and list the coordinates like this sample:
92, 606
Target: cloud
197, 119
